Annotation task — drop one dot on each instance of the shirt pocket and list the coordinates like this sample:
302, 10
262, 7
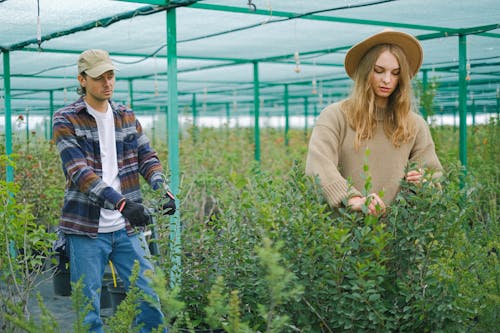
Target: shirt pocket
130, 143
87, 142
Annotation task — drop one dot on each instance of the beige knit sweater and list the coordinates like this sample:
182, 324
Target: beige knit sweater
332, 157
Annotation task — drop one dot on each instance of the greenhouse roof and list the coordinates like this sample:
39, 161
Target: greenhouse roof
299, 47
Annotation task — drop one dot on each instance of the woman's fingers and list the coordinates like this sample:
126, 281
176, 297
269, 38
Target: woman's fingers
376, 206
414, 176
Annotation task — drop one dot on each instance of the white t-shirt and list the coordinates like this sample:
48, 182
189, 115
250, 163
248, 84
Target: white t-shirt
110, 220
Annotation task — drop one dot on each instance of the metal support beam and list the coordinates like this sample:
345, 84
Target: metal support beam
228, 114
306, 115
256, 108
195, 118
423, 97
462, 104
173, 145
51, 100
287, 117
131, 93
8, 114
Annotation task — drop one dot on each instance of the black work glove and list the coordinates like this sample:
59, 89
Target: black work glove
168, 204
134, 212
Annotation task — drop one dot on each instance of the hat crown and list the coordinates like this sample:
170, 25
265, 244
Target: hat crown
94, 62
409, 44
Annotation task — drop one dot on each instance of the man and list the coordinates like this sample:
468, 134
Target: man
103, 150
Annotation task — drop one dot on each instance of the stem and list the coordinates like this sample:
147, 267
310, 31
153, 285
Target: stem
318, 315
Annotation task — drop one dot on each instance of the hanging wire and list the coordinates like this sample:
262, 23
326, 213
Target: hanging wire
251, 6
296, 57
285, 19
270, 8
314, 90
38, 27
157, 92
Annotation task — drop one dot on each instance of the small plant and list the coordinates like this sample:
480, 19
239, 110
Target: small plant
81, 306
128, 309
24, 250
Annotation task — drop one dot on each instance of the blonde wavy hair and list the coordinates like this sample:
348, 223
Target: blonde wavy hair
360, 107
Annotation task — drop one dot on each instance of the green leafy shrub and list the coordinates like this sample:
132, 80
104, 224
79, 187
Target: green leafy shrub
429, 265
24, 250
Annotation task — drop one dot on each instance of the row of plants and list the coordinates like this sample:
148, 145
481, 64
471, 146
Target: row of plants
262, 251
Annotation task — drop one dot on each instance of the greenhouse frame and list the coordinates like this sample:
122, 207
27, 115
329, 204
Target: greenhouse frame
187, 64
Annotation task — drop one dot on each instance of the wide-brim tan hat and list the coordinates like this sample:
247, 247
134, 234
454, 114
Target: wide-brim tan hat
95, 63
409, 44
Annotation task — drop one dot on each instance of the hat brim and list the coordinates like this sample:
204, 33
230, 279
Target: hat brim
409, 44
100, 69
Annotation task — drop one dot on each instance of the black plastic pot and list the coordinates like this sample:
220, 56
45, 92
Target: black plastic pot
105, 296
116, 294
61, 282
61, 279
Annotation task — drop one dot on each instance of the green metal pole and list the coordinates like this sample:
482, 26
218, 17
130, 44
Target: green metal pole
228, 113
131, 93
462, 104
315, 111
306, 114
228, 119
473, 111
454, 120
27, 131
173, 144
51, 99
8, 114
45, 128
256, 105
287, 117
195, 118
423, 98
498, 104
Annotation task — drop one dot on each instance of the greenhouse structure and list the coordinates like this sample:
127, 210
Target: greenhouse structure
255, 65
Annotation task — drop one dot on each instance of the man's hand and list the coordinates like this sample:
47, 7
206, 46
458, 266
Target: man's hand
168, 206
134, 212
375, 205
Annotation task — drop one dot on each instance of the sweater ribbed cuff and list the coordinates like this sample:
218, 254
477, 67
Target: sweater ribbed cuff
338, 191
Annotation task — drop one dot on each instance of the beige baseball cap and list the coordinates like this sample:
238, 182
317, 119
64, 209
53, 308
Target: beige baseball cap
95, 62
409, 44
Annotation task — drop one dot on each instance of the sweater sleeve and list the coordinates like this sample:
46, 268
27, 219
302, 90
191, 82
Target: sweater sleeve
323, 156
423, 152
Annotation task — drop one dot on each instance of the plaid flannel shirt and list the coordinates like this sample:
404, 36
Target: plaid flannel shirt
77, 139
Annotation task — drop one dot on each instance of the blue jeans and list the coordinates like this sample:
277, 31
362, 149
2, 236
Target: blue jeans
88, 259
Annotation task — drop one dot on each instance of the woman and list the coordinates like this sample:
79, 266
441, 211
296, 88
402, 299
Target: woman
377, 117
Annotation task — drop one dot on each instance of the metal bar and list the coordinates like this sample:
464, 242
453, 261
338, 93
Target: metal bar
51, 101
104, 22
173, 145
423, 97
306, 115
8, 114
131, 93
462, 104
287, 116
291, 15
498, 104
256, 104
195, 118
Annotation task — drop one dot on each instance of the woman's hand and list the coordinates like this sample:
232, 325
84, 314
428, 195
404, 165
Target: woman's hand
375, 205
415, 176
